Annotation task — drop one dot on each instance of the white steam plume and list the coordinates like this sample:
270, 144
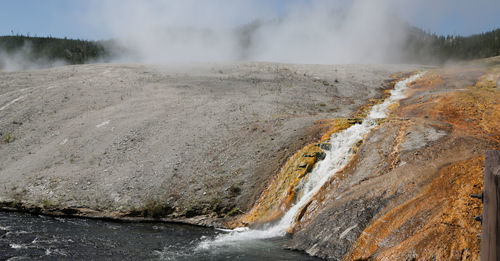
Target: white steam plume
23, 59
337, 31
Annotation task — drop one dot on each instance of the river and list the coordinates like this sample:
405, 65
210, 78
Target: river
34, 237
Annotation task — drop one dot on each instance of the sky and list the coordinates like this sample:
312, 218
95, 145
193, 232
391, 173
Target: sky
77, 18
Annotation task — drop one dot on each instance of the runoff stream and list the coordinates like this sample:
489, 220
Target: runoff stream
32, 237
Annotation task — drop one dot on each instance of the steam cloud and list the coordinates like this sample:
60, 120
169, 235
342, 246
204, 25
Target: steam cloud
168, 31
23, 59
307, 31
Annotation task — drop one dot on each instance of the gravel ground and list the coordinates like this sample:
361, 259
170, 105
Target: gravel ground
193, 139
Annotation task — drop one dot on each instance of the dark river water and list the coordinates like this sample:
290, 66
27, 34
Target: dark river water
32, 237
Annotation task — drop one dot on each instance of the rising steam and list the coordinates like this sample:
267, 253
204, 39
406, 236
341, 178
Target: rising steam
24, 59
155, 31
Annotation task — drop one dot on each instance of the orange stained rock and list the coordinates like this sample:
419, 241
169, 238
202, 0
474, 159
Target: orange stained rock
438, 224
340, 124
314, 206
281, 193
489, 80
474, 110
337, 125
436, 79
430, 80
365, 109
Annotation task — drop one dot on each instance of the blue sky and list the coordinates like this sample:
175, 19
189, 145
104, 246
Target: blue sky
45, 17
69, 18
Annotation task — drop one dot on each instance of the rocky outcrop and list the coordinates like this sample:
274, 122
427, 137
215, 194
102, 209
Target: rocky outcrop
406, 194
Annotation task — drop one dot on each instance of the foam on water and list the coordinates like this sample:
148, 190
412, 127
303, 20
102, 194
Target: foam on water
335, 159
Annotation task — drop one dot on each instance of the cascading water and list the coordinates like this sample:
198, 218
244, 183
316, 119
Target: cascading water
336, 159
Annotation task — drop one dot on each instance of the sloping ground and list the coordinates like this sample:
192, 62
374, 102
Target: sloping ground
286, 186
191, 143
405, 194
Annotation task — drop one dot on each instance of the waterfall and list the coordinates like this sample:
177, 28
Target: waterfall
335, 160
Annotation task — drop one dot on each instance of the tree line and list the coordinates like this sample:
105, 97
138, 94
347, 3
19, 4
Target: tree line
426, 48
69, 51
420, 47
